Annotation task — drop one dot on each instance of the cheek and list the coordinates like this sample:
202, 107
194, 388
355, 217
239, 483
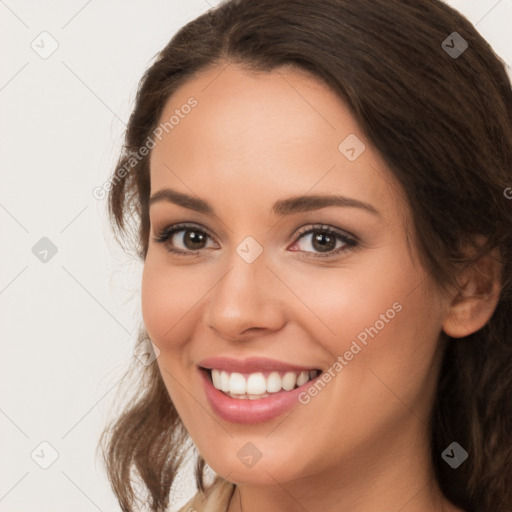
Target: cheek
379, 315
168, 297
342, 302
167, 301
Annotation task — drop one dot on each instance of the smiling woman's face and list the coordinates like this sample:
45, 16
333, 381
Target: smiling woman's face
266, 271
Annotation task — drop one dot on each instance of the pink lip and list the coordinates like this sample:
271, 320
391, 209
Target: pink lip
251, 364
239, 410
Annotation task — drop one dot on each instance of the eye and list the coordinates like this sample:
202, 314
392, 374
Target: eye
324, 240
183, 239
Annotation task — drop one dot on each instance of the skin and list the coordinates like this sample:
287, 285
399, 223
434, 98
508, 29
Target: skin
362, 443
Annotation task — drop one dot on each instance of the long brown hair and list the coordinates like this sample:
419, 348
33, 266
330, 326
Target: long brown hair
443, 124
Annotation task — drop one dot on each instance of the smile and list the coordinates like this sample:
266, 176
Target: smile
254, 386
255, 389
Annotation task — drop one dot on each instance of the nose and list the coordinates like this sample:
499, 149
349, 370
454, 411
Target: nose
245, 302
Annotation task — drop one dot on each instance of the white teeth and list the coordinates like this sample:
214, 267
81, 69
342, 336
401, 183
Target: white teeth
273, 383
217, 381
257, 397
224, 382
302, 378
232, 395
255, 386
289, 381
237, 384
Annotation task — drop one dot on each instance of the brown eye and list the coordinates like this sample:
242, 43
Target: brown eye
193, 239
183, 239
323, 241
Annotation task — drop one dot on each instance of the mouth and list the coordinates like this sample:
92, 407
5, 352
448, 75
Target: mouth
254, 390
258, 385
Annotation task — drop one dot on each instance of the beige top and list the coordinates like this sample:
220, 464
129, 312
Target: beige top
215, 499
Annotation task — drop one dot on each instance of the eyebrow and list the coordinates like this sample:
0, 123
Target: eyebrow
281, 208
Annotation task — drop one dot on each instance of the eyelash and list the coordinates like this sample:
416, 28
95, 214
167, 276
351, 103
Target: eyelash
350, 242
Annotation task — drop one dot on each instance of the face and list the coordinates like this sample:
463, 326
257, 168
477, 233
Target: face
286, 278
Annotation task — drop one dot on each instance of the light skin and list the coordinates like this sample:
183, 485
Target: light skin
362, 443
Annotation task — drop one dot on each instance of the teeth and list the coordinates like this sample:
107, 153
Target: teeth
302, 378
273, 383
289, 381
237, 384
224, 382
255, 385
217, 381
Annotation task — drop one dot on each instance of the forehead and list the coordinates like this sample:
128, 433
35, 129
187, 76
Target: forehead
258, 137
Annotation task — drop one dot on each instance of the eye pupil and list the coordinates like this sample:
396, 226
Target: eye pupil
326, 241
195, 238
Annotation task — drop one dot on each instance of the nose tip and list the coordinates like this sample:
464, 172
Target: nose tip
236, 335
243, 304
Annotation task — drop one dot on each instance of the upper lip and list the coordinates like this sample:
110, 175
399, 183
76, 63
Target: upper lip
250, 365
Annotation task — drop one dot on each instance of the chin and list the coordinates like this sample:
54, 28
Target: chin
262, 471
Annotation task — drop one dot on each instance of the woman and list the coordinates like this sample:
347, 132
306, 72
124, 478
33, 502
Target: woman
319, 192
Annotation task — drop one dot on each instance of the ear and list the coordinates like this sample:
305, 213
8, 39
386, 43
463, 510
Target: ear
475, 302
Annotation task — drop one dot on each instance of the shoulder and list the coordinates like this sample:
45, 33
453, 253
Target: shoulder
214, 499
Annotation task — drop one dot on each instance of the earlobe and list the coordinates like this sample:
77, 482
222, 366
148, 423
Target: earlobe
475, 302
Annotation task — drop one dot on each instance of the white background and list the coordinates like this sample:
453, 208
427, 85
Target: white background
68, 326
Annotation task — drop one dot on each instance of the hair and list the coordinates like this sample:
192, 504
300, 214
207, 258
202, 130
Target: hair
443, 125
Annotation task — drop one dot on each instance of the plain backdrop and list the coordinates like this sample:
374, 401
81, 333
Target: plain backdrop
69, 297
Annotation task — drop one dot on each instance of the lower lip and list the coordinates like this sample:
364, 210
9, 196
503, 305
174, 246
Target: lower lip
240, 410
